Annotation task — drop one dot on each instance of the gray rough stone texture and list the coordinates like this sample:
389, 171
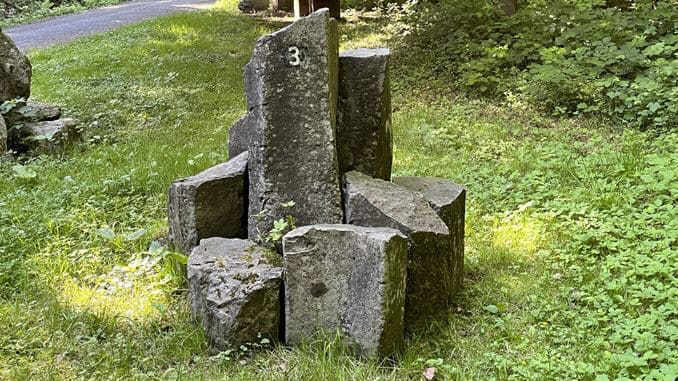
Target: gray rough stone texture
15, 71
234, 290
50, 136
449, 201
253, 5
32, 112
293, 109
3, 136
239, 136
430, 267
364, 139
212, 203
346, 278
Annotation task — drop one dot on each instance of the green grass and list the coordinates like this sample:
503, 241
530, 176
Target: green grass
571, 224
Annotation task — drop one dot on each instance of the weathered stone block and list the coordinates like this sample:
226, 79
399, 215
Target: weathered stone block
239, 136
15, 71
346, 278
430, 267
449, 201
234, 290
212, 203
50, 136
364, 139
291, 87
32, 112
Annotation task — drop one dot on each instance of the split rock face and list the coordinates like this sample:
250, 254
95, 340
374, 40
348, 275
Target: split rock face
212, 203
430, 266
15, 71
346, 278
449, 201
234, 290
291, 87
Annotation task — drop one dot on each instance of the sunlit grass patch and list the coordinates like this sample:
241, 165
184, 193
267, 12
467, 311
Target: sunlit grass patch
518, 233
116, 295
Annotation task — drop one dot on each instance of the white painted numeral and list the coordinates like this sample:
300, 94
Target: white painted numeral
294, 59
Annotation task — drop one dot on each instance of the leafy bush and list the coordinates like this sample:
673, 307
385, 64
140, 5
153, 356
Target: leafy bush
567, 57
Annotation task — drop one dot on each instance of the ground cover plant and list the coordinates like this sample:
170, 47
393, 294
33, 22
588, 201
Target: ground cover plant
22, 11
565, 56
571, 254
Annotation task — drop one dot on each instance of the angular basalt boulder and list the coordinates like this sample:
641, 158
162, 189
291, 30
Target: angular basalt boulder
346, 278
15, 71
234, 290
212, 203
291, 87
239, 136
50, 136
32, 112
430, 267
3, 136
449, 201
364, 139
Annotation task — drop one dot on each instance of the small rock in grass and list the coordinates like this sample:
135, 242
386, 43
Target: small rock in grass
212, 203
346, 278
51, 136
32, 112
234, 290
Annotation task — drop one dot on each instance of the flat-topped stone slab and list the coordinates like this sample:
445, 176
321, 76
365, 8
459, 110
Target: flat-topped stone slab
430, 267
364, 138
346, 278
32, 112
234, 289
449, 201
212, 203
50, 136
291, 87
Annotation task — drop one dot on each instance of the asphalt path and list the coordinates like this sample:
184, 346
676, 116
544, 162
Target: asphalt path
57, 30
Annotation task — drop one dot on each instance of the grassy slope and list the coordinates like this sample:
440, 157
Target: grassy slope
553, 211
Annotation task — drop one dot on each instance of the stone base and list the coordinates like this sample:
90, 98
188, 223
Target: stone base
234, 289
349, 279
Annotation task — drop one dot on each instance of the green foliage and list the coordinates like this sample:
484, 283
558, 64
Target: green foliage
566, 57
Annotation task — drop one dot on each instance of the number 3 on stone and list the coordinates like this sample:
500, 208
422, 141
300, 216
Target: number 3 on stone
295, 58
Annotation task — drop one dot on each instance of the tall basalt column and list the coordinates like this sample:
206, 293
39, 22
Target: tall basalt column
364, 139
291, 86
